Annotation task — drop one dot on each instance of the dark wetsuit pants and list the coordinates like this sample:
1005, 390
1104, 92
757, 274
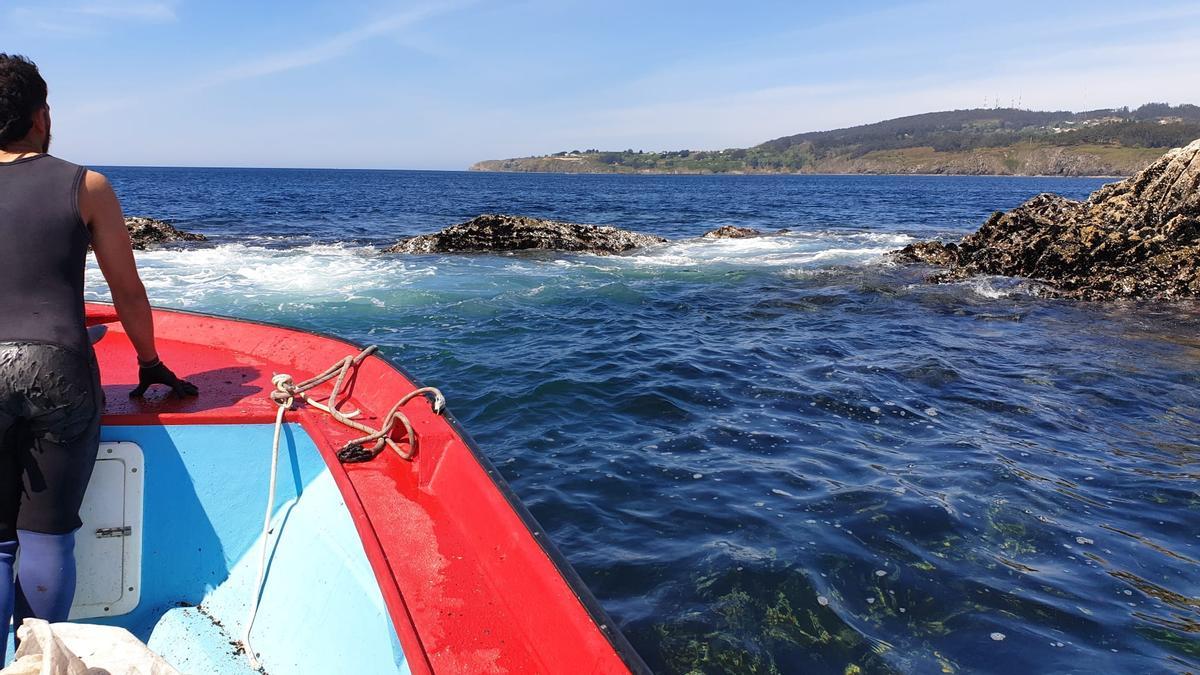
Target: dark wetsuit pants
50, 405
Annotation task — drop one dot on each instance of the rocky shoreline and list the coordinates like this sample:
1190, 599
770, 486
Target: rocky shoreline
1138, 238
502, 232
499, 232
489, 232
145, 232
731, 232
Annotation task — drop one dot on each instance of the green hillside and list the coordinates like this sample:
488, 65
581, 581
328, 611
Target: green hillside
1005, 141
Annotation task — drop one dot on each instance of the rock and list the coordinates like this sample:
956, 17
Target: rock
146, 231
1139, 238
929, 253
732, 232
495, 232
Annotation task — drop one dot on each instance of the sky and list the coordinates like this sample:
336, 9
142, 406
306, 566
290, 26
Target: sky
440, 85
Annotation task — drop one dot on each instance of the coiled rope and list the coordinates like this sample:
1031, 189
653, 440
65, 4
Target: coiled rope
354, 451
284, 394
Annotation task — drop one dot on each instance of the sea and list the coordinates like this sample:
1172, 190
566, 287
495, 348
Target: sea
783, 454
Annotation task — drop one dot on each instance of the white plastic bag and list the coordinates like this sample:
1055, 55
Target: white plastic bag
82, 649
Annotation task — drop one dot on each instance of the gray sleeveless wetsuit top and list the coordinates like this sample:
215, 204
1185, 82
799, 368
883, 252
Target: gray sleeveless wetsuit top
43, 246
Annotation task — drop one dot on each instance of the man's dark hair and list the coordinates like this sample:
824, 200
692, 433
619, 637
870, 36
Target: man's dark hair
22, 93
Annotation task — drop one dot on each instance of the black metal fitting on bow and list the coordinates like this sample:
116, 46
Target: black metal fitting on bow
355, 453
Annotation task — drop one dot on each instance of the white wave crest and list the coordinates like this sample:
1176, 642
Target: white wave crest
800, 249
984, 287
996, 287
230, 273
240, 274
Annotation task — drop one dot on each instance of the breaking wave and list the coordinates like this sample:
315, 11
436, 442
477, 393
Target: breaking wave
261, 272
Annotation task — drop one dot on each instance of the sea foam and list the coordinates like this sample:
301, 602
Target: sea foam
233, 274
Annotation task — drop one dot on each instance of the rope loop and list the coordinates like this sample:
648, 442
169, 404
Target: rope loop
285, 390
366, 447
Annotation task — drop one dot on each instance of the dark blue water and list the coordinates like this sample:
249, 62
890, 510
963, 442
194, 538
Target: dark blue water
771, 455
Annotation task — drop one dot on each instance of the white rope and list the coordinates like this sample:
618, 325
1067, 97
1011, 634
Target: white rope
279, 381
284, 394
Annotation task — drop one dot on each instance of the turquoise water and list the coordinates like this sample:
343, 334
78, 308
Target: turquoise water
771, 455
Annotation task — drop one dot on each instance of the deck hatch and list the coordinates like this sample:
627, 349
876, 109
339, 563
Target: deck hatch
108, 548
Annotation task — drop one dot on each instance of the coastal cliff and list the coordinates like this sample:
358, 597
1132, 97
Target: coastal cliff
1004, 141
1138, 238
1022, 160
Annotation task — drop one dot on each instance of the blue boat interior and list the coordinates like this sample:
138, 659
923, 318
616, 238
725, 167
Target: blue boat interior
205, 491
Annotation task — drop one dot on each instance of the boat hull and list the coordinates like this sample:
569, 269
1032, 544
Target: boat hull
467, 579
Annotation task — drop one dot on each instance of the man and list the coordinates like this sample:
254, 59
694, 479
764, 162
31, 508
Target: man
50, 395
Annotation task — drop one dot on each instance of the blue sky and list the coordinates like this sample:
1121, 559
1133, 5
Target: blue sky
439, 85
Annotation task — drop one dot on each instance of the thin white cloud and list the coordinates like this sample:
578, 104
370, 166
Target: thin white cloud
88, 17
280, 62
326, 50
142, 11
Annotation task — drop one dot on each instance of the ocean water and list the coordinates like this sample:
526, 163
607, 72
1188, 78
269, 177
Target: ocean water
776, 455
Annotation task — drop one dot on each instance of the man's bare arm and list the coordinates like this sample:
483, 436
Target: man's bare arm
101, 212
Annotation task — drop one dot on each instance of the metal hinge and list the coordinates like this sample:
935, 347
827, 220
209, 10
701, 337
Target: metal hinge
114, 532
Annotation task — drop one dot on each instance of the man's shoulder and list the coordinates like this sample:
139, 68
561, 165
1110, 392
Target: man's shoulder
64, 163
94, 191
91, 181
70, 170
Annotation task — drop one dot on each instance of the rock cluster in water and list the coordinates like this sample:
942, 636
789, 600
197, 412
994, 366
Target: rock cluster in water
732, 232
497, 232
146, 231
1139, 238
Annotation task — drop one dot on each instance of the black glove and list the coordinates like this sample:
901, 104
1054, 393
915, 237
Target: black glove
157, 373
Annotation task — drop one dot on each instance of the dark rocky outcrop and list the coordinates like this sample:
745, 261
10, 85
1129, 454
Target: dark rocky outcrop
495, 232
146, 231
1139, 238
732, 232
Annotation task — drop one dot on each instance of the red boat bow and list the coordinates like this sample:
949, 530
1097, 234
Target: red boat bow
471, 582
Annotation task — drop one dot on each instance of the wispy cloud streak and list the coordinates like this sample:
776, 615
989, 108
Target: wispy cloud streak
89, 17
141, 11
326, 50
284, 61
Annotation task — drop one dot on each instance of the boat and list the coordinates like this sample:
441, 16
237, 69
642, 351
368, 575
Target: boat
258, 528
